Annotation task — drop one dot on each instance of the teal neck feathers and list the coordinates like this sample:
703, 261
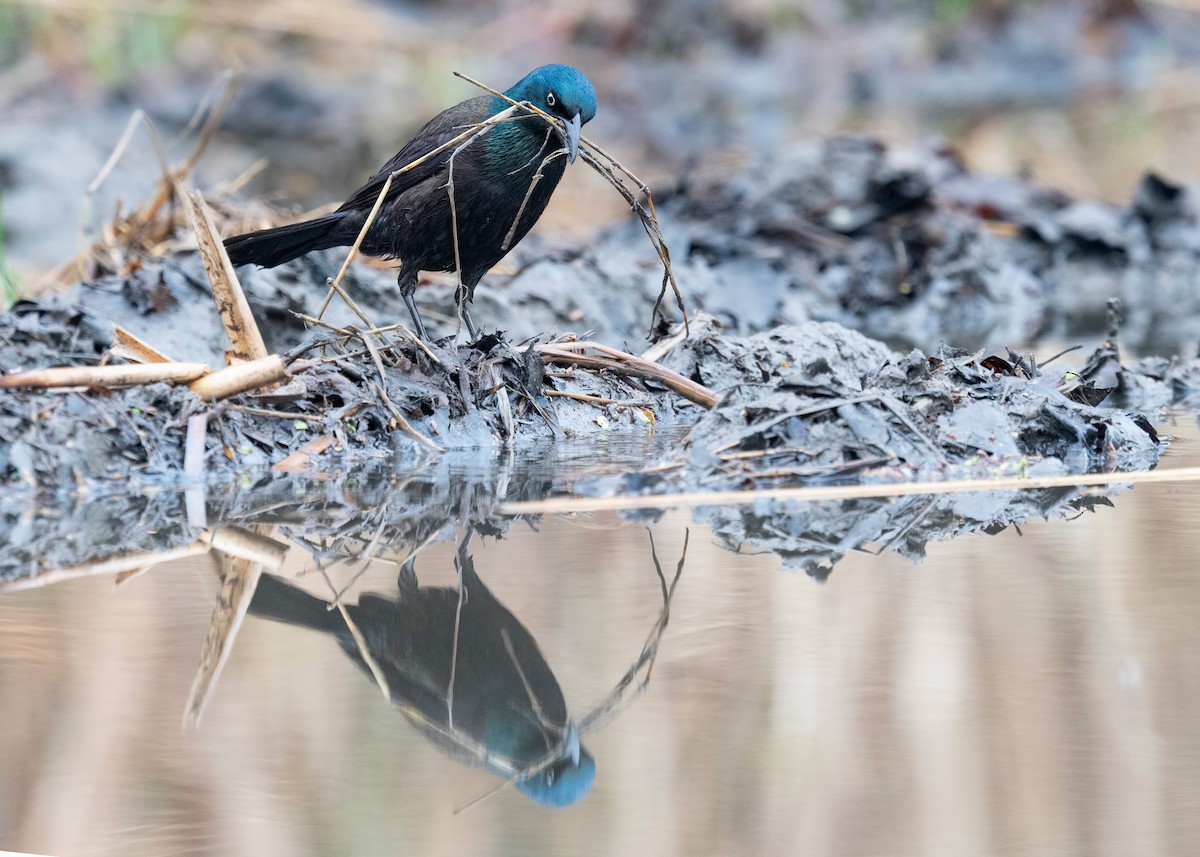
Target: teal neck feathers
560, 90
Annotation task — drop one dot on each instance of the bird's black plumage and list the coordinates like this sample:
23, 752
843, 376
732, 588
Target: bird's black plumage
497, 194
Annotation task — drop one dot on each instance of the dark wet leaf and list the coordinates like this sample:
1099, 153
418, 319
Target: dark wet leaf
1089, 394
998, 365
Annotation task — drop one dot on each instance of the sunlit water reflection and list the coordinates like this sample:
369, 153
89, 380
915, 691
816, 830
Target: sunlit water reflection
1030, 692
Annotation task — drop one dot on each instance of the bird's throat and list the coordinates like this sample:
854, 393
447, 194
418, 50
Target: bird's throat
518, 148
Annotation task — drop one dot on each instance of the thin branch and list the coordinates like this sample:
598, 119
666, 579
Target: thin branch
628, 364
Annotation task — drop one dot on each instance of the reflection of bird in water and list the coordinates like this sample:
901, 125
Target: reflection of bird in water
469, 674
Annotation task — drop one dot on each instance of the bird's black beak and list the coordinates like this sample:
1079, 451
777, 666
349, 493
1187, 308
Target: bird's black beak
571, 137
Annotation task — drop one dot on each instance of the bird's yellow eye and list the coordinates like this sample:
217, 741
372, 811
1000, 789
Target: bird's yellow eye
551, 99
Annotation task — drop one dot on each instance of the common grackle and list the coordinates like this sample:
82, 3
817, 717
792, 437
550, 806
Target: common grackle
465, 670
497, 194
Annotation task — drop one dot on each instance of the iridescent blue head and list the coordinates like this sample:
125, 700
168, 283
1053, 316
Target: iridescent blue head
563, 92
563, 783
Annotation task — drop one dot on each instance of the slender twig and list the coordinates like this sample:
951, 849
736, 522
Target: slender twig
267, 412
381, 391
460, 291
335, 285
628, 364
233, 78
533, 183
598, 400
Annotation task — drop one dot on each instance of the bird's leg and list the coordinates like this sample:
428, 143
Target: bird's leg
462, 298
407, 281
472, 330
406, 580
462, 301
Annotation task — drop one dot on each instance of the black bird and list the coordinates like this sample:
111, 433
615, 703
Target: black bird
497, 197
466, 671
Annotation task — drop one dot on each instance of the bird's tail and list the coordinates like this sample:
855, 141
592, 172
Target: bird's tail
271, 247
277, 599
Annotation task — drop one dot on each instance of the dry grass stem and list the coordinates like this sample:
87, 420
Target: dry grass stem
235, 184
335, 285
627, 364
533, 183
239, 378
597, 400
648, 218
246, 342
129, 346
122, 238
106, 376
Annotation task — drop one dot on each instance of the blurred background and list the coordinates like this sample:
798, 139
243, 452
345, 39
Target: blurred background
1083, 95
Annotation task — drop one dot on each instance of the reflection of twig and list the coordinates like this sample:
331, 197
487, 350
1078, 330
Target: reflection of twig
118, 565
460, 560
233, 541
237, 590
843, 492
360, 641
614, 702
534, 703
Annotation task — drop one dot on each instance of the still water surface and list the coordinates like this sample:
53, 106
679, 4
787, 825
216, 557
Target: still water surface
1029, 692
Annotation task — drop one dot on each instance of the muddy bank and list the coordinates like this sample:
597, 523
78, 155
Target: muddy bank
845, 230
802, 402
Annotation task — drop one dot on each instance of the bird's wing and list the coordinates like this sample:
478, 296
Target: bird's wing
439, 131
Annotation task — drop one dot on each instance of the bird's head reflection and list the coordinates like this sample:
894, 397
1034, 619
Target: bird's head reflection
566, 778
463, 668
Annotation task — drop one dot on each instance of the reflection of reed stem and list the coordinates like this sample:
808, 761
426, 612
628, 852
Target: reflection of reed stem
842, 492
